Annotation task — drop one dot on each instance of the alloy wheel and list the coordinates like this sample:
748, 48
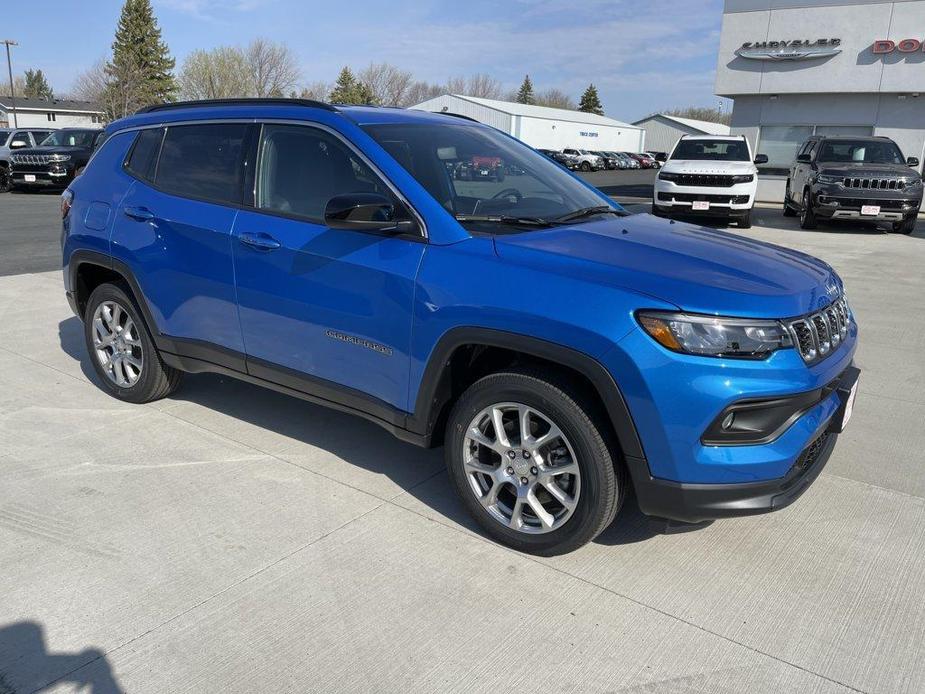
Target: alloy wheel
117, 344
521, 468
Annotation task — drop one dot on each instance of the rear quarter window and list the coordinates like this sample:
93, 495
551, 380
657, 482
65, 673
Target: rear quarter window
203, 161
142, 159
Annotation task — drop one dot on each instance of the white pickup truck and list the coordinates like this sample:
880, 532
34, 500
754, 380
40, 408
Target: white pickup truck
587, 161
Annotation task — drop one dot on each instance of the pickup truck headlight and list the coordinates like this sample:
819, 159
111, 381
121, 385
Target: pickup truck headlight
828, 180
59, 157
741, 338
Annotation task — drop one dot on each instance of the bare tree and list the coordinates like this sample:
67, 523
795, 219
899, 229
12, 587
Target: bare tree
483, 86
707, 113
217, 74
555, 98
387, 83
90, 84
272, 68
455, 85
318, 91
422, 91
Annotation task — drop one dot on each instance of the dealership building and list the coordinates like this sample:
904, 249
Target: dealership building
541, 126
794, 68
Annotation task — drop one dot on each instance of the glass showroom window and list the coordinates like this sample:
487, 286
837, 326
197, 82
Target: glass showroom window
781, 142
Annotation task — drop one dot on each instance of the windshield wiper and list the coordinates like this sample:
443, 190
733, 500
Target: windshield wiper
504, 219
587, 212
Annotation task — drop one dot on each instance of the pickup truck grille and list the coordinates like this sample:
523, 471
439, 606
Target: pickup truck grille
875, 183
819, 334
39, 159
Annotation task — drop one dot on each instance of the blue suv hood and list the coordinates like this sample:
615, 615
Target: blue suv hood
695, 268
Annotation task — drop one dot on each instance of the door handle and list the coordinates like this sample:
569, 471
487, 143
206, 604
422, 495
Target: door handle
259, 240
140, 214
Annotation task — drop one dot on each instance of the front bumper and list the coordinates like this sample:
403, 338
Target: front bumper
842, 205
694, 503
724, 201
45, 177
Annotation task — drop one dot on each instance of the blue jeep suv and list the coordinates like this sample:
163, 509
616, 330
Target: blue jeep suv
561, 350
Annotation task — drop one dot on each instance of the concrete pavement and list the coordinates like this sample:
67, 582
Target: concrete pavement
234, 539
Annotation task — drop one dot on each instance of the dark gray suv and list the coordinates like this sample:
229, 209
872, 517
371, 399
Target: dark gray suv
853, 179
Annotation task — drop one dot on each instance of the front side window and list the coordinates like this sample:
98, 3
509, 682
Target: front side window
301, 168
860, 151
203, 161
711, 150
474, 171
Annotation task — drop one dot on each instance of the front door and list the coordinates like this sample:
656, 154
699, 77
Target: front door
328, 305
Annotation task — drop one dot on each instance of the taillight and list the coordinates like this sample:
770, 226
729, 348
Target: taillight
67, 197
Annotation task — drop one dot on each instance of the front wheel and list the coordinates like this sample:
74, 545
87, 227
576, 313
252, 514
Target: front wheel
585, 166
746, 221
4, 179
121, 348
907, 226
531, 464
807, 215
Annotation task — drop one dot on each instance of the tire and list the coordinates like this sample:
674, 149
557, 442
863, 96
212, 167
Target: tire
788, 210
585, 166
519, 471
124, 380
907, 226
746, 221
5, 182
807, 215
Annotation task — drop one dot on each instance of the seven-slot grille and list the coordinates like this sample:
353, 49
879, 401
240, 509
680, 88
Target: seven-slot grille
875, 183
706, 180
40, 159
819, 334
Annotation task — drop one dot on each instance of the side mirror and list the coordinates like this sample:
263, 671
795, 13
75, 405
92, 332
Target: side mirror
364, 212
18, 144
804, 158
761, 159
912, 161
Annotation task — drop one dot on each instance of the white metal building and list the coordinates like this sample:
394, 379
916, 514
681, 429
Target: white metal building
49, 113
839, 67
663, 131
543, 127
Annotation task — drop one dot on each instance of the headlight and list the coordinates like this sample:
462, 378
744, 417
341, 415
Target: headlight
743, 178
59, 157
741, 338
665, 176
825, 178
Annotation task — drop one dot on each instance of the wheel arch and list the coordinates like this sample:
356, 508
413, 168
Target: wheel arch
465, 354
89, 269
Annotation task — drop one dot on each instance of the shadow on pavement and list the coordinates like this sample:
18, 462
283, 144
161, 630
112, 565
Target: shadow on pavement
27, 666
350, 438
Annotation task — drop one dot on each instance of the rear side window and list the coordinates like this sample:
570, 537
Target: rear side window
39, 135
203, 161
142, 161
3, 138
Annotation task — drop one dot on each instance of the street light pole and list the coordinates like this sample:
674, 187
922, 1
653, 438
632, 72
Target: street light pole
9, 69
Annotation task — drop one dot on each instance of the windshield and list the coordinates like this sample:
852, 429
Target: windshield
864, 151
478, 171
70, 138
711, 150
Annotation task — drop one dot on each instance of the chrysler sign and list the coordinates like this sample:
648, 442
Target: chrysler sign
789, 50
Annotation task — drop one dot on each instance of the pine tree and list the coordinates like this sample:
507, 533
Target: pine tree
525, 93
349, 90
591, 102
36, 86
141, 70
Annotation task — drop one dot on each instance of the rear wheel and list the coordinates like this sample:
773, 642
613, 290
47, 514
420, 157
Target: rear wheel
907, 226
122, 350
531, 464
807, 215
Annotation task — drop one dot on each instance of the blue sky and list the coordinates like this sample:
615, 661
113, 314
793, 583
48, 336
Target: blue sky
643, 55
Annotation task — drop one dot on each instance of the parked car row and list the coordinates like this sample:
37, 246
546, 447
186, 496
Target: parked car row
598, 160
36, 158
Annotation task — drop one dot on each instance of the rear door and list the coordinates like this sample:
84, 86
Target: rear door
322, 306
173, 229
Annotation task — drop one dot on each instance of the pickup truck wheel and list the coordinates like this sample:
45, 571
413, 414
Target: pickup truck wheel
807, 215
907, 226
530, 463
121, 349
585, 166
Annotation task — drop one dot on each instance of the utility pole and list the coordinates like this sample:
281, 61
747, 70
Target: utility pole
9, 69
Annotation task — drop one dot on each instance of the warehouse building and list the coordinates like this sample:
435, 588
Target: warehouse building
842, 67
543, 127
48, 113
663, 131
